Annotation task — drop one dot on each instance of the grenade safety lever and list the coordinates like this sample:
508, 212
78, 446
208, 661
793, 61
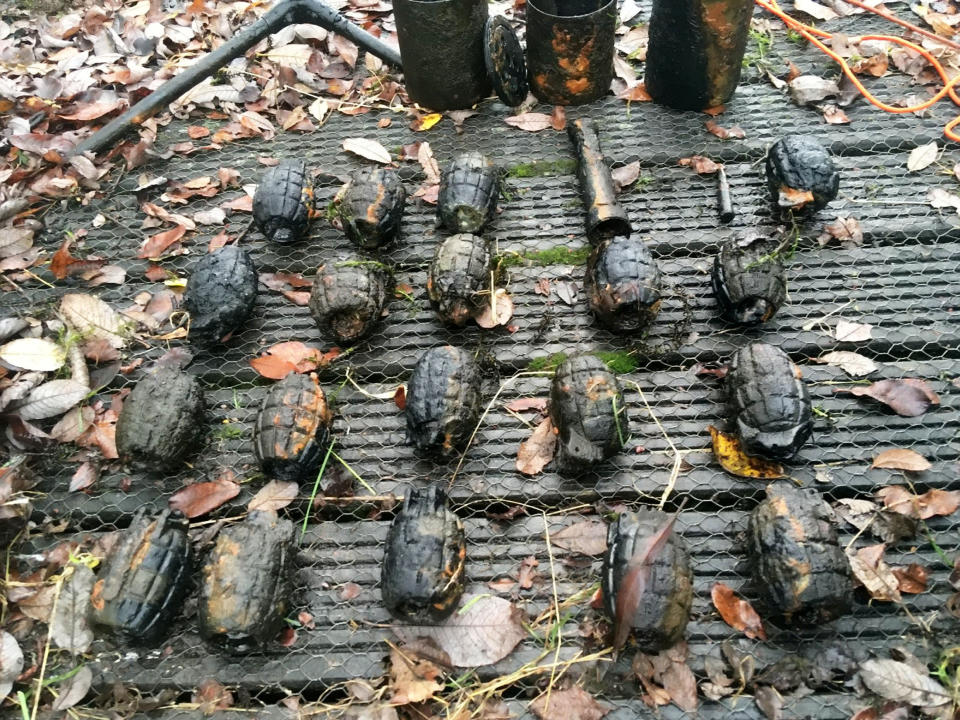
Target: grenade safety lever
286, 12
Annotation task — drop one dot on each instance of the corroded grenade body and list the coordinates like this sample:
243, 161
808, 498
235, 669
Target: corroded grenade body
348, 297
801, 173
469, 189
749, 281
283, 202
797, 560
162, 419
220, 294
144, 580
459, 273
588, 411
371, 208
661, 616
443, 400
246, 582
770, 402
424, 561
623, 284
293, 429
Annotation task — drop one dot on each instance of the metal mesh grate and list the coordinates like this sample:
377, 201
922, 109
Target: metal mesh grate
904, 281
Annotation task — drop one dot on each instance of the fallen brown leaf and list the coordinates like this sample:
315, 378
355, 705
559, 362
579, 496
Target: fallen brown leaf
574, 703
908, 397
874, 574
699, 164
200, 498
736, 612
531, 122
537, 450
932, 503
901, 459
724, 133
912, 579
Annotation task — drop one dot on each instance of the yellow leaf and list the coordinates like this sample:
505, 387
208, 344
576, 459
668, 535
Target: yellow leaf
428, 121
735, 461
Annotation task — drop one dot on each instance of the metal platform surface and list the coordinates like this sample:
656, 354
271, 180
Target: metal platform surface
904, 281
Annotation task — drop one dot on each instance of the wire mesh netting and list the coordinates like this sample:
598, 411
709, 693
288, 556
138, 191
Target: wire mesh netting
903, 280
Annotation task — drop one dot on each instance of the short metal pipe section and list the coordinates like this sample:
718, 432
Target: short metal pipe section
570, 49
695, 51
605, 216
441, 43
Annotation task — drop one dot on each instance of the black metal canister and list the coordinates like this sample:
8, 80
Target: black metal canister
695, 51
442, 46
570, 49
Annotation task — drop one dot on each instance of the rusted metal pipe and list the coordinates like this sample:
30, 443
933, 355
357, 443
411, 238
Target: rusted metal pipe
570, 49
442, 43
287, 12
605, 217
695, 51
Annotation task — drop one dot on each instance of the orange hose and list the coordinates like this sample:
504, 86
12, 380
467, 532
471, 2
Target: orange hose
811, 33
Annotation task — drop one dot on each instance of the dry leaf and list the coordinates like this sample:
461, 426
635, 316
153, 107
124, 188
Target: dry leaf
93, 318
69, 628
899, 682
908, 397
588, 537
574, 703
851, 363
899, 499
814, 9
490, 317
482, 632
369, 149
923, 156
531, 122
737, 612
37, 354
275, 495
537, 451
52, 398
85, 476
845, 229
637, 93
284, 358
724, 133
156, 245
699, 164
11, 661
625, 175
833, 115
847, 331
912, 579
901, 459
202, 497
729, 453
74, 689
767, 698
558, 118
876, 576
412, 679
422, 123
400, 397
527, 404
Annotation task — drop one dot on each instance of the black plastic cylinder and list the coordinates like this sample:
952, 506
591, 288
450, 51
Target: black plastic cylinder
441, 44
695, 51
570, 49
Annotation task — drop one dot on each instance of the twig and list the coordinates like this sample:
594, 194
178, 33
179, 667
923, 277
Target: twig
46, 650
677, 457
556, 605
496, 396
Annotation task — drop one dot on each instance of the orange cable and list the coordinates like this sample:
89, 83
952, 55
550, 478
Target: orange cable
810, 34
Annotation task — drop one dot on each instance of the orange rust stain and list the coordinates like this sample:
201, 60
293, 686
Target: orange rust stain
221, 576
598, 388
143, 549
96, 596
779, 506
577, 85
797, 528
375, 205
